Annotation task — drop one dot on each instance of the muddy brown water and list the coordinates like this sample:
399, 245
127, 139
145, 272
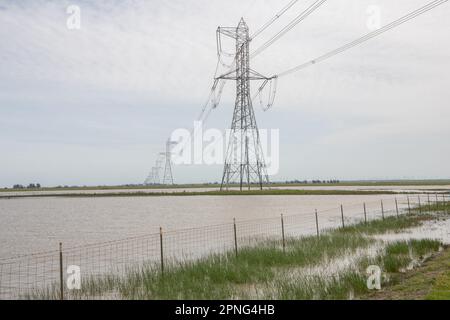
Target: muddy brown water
35, 224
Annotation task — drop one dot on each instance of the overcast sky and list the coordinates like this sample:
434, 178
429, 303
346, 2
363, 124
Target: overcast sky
94, 105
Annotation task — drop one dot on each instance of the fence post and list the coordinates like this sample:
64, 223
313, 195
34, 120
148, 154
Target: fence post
409, 207
382, 210
396, 206
61, 277
317, 224
437, 201
365, 214
342, 216
447, 205
420, 206
428, 196
235, 237
444, 206
161, 249
282, 233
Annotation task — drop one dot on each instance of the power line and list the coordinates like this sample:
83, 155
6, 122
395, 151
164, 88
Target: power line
366, 37
221, 83
218, 85
212, 96
302, 16
275, 18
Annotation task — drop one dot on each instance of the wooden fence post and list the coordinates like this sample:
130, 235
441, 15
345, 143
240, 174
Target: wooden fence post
447, 205
282, 233
317, 224
420, 206
161, 247
396, 206
444, 205
235, 237
409, 206
61, 272
365, 213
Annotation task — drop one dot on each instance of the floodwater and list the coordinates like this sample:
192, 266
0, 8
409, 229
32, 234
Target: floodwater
108, 235
37, 224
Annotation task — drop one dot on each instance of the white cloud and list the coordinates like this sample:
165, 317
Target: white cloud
138, 69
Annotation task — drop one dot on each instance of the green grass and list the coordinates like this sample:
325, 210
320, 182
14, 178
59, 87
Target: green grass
266, 271
228, 276
433, 207
389, 224
218, 276
441, 287
429, 281
350, 283
340, 286
398, 256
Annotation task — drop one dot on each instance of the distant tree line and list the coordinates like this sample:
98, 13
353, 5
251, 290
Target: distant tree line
332, 181
30, 186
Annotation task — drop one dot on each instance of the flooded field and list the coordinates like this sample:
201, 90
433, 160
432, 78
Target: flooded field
36, 224
109, 235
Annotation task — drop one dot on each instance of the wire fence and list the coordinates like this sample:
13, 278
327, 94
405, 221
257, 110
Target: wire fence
48, 272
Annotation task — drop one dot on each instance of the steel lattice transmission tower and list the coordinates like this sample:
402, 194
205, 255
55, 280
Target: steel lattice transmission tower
154, 176
168, 177
149, 179
244, 162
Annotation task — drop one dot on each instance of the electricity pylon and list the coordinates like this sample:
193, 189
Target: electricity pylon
244, 162
154, 176
149, 179
168, 177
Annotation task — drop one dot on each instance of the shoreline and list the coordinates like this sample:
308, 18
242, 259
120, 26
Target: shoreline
355, 183
273, 192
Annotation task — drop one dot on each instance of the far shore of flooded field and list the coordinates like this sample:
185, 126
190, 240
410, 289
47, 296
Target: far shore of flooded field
343, 188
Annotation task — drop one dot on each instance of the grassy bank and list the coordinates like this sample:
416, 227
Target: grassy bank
351, 283
331, 266
430, 281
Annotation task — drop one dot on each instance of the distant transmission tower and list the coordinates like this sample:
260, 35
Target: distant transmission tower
149, 180
168, 177
244, 162
154, 176
156, 170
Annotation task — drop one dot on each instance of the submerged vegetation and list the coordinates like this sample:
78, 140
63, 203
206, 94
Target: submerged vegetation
330, 266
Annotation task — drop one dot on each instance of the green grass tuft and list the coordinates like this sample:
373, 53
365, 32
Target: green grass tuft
401, 254
265, 270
